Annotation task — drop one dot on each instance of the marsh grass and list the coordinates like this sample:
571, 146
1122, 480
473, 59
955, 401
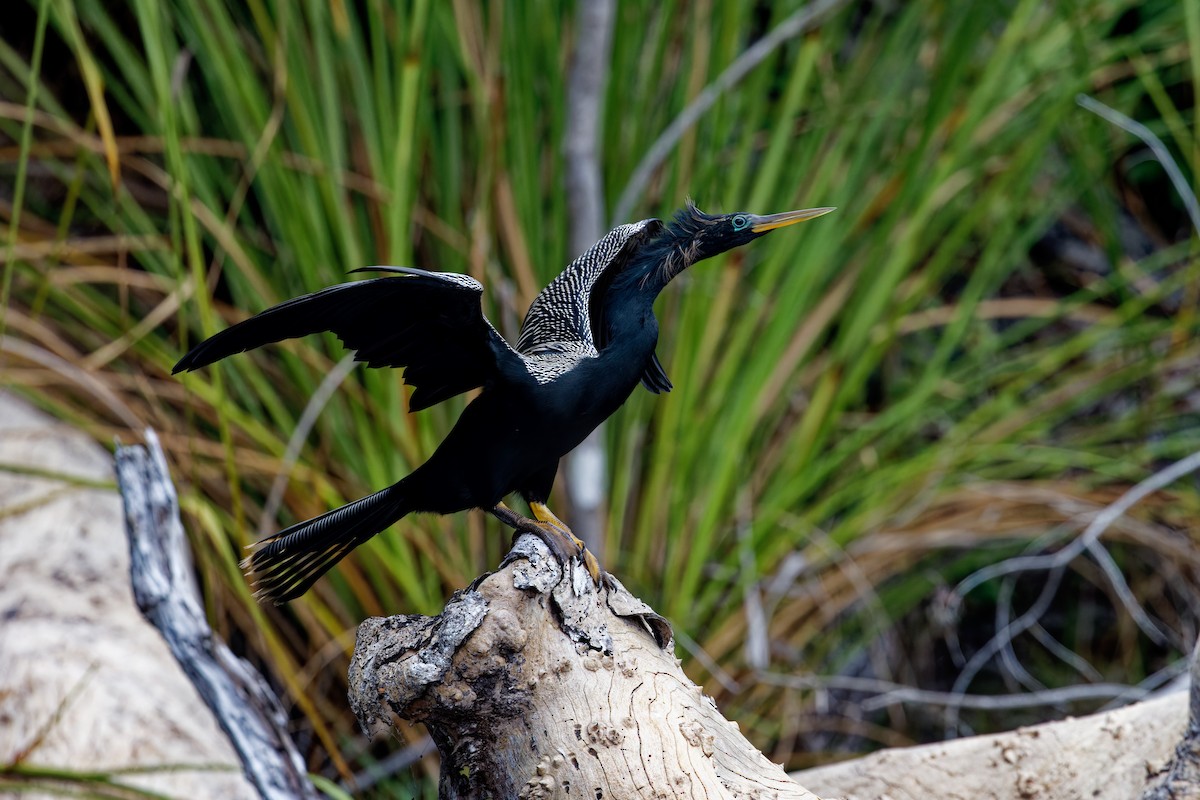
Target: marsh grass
893, 395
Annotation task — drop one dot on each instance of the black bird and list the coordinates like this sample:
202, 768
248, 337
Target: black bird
586, 342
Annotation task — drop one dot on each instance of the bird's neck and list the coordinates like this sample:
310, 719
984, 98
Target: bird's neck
628, 310
656, 263
629, 300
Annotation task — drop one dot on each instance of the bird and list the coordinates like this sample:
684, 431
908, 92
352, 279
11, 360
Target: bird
586, 342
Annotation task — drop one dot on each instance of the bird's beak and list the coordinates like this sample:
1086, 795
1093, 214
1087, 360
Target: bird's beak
773, 221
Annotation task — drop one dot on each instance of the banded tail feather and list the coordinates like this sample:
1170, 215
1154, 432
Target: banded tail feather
283, 566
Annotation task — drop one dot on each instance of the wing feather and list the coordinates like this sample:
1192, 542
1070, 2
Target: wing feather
654, 378
429, 323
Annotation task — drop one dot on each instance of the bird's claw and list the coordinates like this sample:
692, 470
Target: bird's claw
562, 547
592, 565
564, 544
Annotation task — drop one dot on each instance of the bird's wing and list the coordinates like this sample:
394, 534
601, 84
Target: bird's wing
430, 323
561, 313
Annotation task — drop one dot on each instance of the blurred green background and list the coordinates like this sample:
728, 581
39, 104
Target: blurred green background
990, 341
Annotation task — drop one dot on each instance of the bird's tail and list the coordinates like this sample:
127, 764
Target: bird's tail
283, 567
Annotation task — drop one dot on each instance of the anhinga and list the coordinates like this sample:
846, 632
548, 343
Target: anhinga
586, 342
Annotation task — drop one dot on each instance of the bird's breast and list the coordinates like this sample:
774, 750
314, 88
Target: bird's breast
571, 388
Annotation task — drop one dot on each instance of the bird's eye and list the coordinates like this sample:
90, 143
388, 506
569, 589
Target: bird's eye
740, 222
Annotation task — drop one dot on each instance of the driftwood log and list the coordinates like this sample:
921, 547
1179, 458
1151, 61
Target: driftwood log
1116, 755
165, 590
534, 683
91, 701
1179, 778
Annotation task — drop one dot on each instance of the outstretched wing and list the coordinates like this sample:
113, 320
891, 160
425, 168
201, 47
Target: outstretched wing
430, 323
560, 316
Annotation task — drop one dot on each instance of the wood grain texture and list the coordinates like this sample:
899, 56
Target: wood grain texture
536, 684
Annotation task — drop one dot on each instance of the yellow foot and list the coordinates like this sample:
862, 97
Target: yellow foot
547, 516
555, 533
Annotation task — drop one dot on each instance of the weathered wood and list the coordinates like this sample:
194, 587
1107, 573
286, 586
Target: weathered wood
165, 590
1109, 756
1180, 778
88, 688
536, 684
1148, 750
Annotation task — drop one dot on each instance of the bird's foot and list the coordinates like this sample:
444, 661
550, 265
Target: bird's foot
564, 544
546, 516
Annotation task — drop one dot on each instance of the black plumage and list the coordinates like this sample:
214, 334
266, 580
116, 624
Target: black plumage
588, 339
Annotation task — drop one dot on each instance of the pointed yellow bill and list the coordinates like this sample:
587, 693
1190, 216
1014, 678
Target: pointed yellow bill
772, 221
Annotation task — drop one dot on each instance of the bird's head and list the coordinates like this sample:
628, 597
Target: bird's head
693, 235
708, 235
